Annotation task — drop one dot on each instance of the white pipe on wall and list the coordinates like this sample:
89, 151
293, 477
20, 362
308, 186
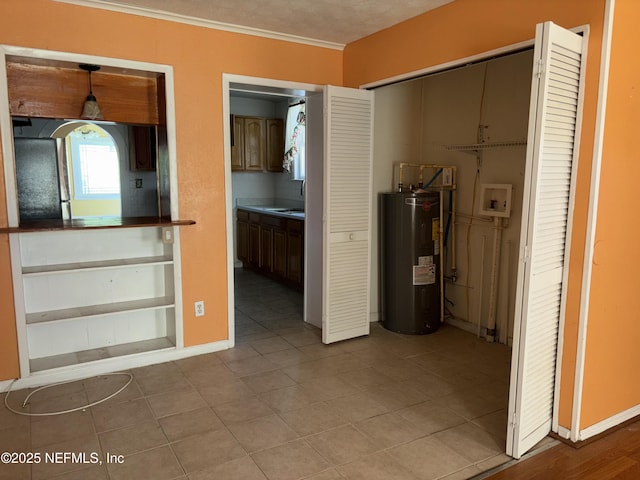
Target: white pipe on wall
441, 246
504, 324
495, 275
484, 240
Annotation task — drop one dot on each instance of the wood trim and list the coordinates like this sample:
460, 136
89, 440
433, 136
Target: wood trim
84, 223
48, 91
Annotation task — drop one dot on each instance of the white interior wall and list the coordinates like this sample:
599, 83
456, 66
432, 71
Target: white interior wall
415, 121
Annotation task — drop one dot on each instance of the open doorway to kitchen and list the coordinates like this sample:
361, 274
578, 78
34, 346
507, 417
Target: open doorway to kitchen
269, 224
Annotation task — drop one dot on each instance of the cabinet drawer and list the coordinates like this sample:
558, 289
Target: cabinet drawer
242, 215
273, 221
254, 217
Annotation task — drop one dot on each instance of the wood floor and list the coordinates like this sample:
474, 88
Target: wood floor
614, 456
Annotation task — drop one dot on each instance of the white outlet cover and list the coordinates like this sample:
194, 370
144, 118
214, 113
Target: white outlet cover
199, 307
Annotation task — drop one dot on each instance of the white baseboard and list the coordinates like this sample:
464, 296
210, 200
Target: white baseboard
108, 365
608, 423
564, 433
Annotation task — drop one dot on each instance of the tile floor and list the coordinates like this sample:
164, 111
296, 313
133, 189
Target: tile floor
281, 405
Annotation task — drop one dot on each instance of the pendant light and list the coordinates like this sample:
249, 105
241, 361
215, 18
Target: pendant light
90, 110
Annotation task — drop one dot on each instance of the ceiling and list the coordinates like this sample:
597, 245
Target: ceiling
334, 21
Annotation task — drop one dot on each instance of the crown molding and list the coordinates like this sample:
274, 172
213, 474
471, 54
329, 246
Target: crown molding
200, 22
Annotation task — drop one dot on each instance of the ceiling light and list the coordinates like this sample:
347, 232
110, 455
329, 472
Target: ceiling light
90, 110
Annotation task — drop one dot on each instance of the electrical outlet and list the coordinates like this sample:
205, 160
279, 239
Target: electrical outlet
199, 308
167, 235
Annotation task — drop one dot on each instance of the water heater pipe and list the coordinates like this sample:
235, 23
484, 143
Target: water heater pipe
495, 274
454, 269
480, 290
441, 243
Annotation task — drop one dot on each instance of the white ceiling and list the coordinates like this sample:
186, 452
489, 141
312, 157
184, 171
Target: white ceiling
334, 21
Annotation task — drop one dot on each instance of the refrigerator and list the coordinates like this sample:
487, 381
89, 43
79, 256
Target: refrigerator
410, 262
37, 178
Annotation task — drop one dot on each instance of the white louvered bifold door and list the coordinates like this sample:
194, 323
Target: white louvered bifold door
556, 103
347, 213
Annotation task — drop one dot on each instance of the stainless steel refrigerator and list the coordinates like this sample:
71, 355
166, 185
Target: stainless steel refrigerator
410, 262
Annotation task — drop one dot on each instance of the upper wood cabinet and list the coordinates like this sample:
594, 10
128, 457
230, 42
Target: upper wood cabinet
237, 143
275, 144
254, 143
257, 144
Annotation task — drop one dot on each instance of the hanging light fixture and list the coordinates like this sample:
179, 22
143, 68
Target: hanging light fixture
90, 110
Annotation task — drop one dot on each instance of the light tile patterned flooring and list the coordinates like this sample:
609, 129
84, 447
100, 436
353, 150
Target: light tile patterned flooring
281, 405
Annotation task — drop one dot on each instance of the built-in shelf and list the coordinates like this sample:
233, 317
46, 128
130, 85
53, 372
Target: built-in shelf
97, 265
93, 293
85, 356
98, 310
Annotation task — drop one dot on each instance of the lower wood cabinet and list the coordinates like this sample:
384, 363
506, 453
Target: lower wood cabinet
280, 253
295, 251
272, 245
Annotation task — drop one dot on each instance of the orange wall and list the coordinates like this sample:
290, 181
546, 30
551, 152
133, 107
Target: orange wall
613, 337
469, 27
199, 56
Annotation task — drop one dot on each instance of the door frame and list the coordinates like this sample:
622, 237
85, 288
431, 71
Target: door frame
269, 87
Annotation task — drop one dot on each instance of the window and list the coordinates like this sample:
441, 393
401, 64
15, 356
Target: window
294, 156
95, 165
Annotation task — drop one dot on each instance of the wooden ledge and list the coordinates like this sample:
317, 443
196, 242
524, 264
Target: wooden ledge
94, 223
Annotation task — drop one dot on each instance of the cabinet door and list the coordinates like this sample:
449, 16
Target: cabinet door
254, 244
280, 253
295, 252
243, 241
266, 249
275, 144
237, 144
254, 143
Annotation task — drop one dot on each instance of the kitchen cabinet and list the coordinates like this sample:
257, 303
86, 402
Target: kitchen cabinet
254, 240
275, 144
257, 144
266, 249
295, 249
243, 236
272, 245
280, 253
237, 144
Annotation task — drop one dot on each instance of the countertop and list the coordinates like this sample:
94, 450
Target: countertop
286, 212
94, 223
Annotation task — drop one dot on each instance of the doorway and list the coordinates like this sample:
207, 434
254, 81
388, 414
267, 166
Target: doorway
552, 128
277, 94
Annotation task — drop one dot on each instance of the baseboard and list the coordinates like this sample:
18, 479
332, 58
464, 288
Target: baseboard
619, 420
564, 433
108, 365
600, 429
